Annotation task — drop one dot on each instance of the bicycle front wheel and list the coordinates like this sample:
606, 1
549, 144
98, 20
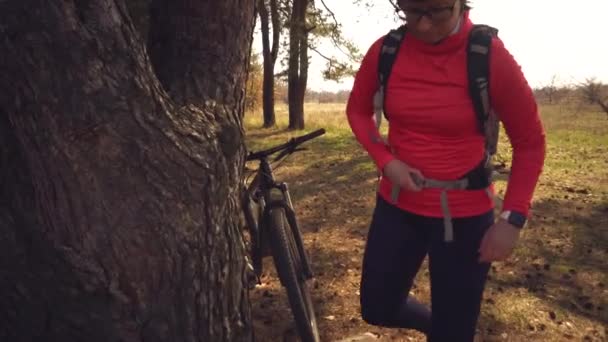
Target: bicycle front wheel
289, 268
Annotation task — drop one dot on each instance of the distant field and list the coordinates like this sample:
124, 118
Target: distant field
554, 288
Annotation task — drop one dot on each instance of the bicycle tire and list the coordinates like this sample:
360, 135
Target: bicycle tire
286, 260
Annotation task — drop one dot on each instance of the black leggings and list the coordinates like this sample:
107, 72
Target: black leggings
397, 243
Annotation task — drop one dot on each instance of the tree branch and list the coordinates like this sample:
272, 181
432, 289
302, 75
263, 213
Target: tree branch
320, 54
337, 46
330, 12
397, 9
333, 39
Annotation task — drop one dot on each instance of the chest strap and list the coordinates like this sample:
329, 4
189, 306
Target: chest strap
471, 181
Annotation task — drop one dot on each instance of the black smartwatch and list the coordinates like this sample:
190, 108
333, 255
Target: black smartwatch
514, 218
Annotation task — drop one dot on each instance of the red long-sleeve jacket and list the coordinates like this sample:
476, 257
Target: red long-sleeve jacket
433, 126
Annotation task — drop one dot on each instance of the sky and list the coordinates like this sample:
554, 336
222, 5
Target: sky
566, 39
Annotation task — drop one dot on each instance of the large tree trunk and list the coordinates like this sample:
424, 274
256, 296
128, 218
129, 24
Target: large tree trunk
140, 14
296, 80
269, 54
189, 63
117, 208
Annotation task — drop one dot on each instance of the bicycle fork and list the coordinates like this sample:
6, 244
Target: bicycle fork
291, 217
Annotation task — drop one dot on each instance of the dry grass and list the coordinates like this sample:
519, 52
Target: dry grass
554, 288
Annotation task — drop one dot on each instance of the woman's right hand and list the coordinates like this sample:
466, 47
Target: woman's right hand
400, 173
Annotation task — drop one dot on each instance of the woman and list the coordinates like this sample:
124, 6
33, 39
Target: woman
433, 134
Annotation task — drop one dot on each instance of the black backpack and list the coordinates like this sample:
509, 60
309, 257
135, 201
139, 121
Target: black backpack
478, 55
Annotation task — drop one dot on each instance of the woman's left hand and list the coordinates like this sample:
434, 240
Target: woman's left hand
498, 242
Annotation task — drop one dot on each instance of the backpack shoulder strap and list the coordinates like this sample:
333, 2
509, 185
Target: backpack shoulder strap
388, 54
478, 68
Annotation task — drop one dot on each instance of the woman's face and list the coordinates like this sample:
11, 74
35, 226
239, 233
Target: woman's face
431, 20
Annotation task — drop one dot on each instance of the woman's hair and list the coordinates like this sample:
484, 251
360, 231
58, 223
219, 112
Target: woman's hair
466, 5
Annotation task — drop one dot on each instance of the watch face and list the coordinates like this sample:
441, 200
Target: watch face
517, 219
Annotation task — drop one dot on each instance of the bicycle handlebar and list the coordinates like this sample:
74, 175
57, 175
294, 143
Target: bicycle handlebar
290, 145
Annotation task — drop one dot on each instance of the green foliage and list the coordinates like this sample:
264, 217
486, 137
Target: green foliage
322, 26
325, 26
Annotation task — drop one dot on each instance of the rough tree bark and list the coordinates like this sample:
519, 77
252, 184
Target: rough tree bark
188, 63
117, 207
270, 54
298, 63
140, 14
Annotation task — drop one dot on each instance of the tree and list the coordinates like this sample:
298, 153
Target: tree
269, 12
140, 14
551, 89
184, 59
297, 75
308, 25
118, 202
595, 93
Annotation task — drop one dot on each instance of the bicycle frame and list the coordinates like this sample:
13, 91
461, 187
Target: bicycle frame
268, 227
262, 190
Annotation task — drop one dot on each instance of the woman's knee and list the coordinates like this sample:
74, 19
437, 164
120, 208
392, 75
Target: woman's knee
378, 307
377, 315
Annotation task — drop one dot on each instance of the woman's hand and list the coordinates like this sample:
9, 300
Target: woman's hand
498, 242
400, 173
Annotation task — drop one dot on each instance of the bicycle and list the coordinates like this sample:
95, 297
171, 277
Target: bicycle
273, 230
